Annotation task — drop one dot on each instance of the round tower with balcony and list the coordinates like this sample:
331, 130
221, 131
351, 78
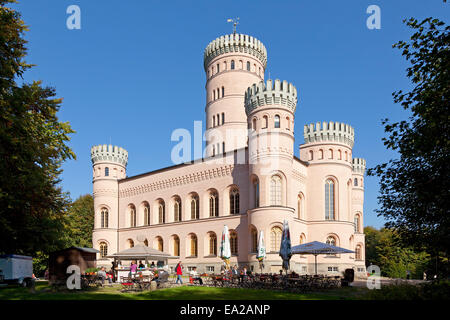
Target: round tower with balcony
232, 63
328, 152
109, 166
270, 109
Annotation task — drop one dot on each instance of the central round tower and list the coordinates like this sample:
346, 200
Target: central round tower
232, 64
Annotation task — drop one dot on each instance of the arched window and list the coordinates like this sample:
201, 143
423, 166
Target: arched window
311, 155
265, 122
356, 182
193, 240
288, 123
302, 238
106, 172
256, 193
146, 215
213, 204
320, 154
357, 223
104, 218
358, 253
232, 64
331, 241
329, 200
223, 94
254, 124
218, 68
130, 243
248, 65
300, 206
339, 155
195, 208
223, 147
159, 244
254, 240
103, 249
234, 242
132, 216
176, 246
214, 94
275, 239
234, 201
161, 212
146, 242
177, 210
275, 191
212, 244
223, 115
330, 153
214, 121
277, 121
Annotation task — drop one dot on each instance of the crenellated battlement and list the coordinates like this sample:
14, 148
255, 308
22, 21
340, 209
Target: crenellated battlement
235, 43
329, 131
359, 165
273, 92
109, 153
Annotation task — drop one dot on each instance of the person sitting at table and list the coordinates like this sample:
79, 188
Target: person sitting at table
101, 274
235, 271
152, 265
243, 275
141, 265
194, 275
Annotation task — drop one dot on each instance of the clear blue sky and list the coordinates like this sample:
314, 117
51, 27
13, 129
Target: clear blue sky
134, 72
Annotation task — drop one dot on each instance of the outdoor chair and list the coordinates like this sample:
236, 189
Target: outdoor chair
163, 279
127, 283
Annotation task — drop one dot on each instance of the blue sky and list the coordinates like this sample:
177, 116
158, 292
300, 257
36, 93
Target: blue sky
134, 72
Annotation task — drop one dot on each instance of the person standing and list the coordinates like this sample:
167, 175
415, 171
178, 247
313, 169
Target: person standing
179, 271
133, 268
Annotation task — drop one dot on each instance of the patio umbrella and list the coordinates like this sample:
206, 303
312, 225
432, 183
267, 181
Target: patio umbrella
225, 250
261, 255
285, 248
315, 248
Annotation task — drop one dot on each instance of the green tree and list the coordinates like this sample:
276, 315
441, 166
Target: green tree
414, 189
80, 222
32, 149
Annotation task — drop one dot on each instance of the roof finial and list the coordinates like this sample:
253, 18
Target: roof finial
235, 23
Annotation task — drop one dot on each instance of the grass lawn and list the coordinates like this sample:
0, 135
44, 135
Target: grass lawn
44, 292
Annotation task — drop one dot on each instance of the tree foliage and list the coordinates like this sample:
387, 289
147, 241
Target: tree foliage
80, 222
414, 189
33, 145
384, 250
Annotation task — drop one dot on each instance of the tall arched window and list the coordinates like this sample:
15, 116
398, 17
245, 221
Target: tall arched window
223, 114
214, 121
130, 243
356, 221
358, 253
232, 64
311, 155
320, 154
302, 238
254, 240
106, 172
103, 249
256, 193
355, 182
275, 239
223, 95
277, 121
288, 123
177, 210
248, 65
146, 215
275, 191
146, 242
218, 68
329, 200
195, 208
193, 240
176, 246
212, 244
234, 201
300, 206
330, 152
132, 216
265, 122
104, 218
159, 244
213, 204
234, 242
161, 212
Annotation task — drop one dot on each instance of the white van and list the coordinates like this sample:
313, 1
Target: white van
16, 269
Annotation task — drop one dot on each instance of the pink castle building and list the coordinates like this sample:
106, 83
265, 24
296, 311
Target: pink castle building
249, 179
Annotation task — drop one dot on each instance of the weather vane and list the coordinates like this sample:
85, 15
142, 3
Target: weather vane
235, 23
